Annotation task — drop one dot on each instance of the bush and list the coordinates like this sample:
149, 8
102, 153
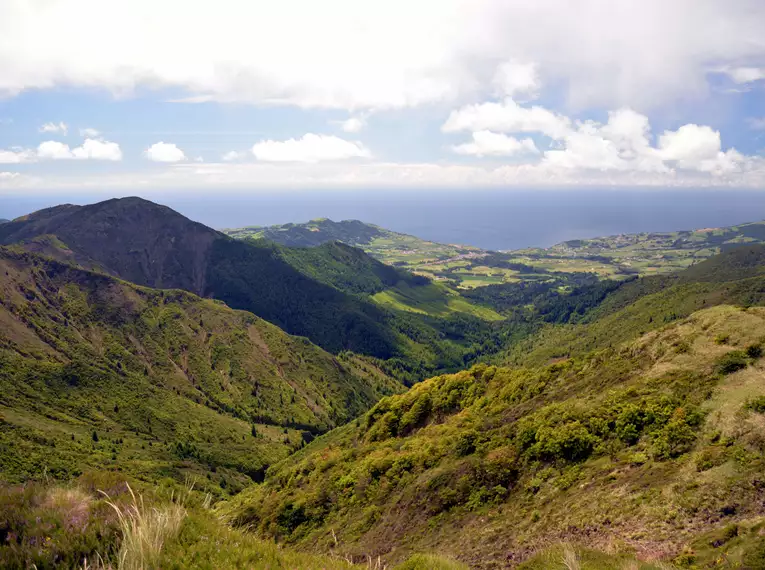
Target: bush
675, 438
754, 351
731, 362
757, 405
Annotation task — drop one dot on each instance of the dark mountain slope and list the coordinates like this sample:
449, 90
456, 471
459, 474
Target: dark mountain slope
154, 246
165, 381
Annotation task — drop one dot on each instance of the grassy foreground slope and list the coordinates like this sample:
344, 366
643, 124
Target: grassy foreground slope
103, 522
97, 372
648, 444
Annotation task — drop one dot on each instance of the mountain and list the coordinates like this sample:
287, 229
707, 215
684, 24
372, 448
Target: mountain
152, 245
335, 295
97, 372
641, 434
3, 221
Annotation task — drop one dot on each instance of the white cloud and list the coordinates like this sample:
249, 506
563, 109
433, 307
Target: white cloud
8, 175
89, 133
247, 177
309, 148
756, 123
508, 117
54, 128
690, 144
16, 156
353, 124
623, 144
164, 152
486, 143
746, 74
233, 155
377, 54
513, 79
91, 149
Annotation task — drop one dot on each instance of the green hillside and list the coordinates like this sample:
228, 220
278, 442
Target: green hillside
96, 372
646, 444
635, 428
325, 293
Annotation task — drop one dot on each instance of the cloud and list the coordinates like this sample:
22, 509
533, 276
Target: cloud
89, 133
54, 128
745, 74
622, 144
8, 175
508, 117
486, 143
16, 156
164, 152
91, 149
340, 53
513, 79
353, 124
233, 155
756, 123
251, 176
309, 148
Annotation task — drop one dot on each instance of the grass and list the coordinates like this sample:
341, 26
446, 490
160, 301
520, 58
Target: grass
145, 531
570, 557
434, 300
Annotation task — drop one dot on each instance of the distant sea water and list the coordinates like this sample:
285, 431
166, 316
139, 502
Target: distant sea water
491, 219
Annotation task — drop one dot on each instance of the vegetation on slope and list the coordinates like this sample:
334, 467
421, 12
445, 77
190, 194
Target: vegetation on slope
98, 372
322, 294
645, 444
608, 313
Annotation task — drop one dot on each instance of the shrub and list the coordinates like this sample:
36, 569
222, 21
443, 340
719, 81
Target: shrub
722, 338
675, 438
731, 362
754, 351
572, 442
757, 405
465, 444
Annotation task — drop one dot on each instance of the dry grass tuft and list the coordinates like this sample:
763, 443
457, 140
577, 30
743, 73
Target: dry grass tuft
571, 558
145, 531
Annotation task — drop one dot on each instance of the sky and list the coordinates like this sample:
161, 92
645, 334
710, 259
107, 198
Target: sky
241, 95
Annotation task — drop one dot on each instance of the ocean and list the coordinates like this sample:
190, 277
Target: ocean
491, 219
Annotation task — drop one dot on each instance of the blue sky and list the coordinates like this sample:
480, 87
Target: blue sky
108, 95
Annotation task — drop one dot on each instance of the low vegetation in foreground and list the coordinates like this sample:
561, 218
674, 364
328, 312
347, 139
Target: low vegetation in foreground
100, 522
